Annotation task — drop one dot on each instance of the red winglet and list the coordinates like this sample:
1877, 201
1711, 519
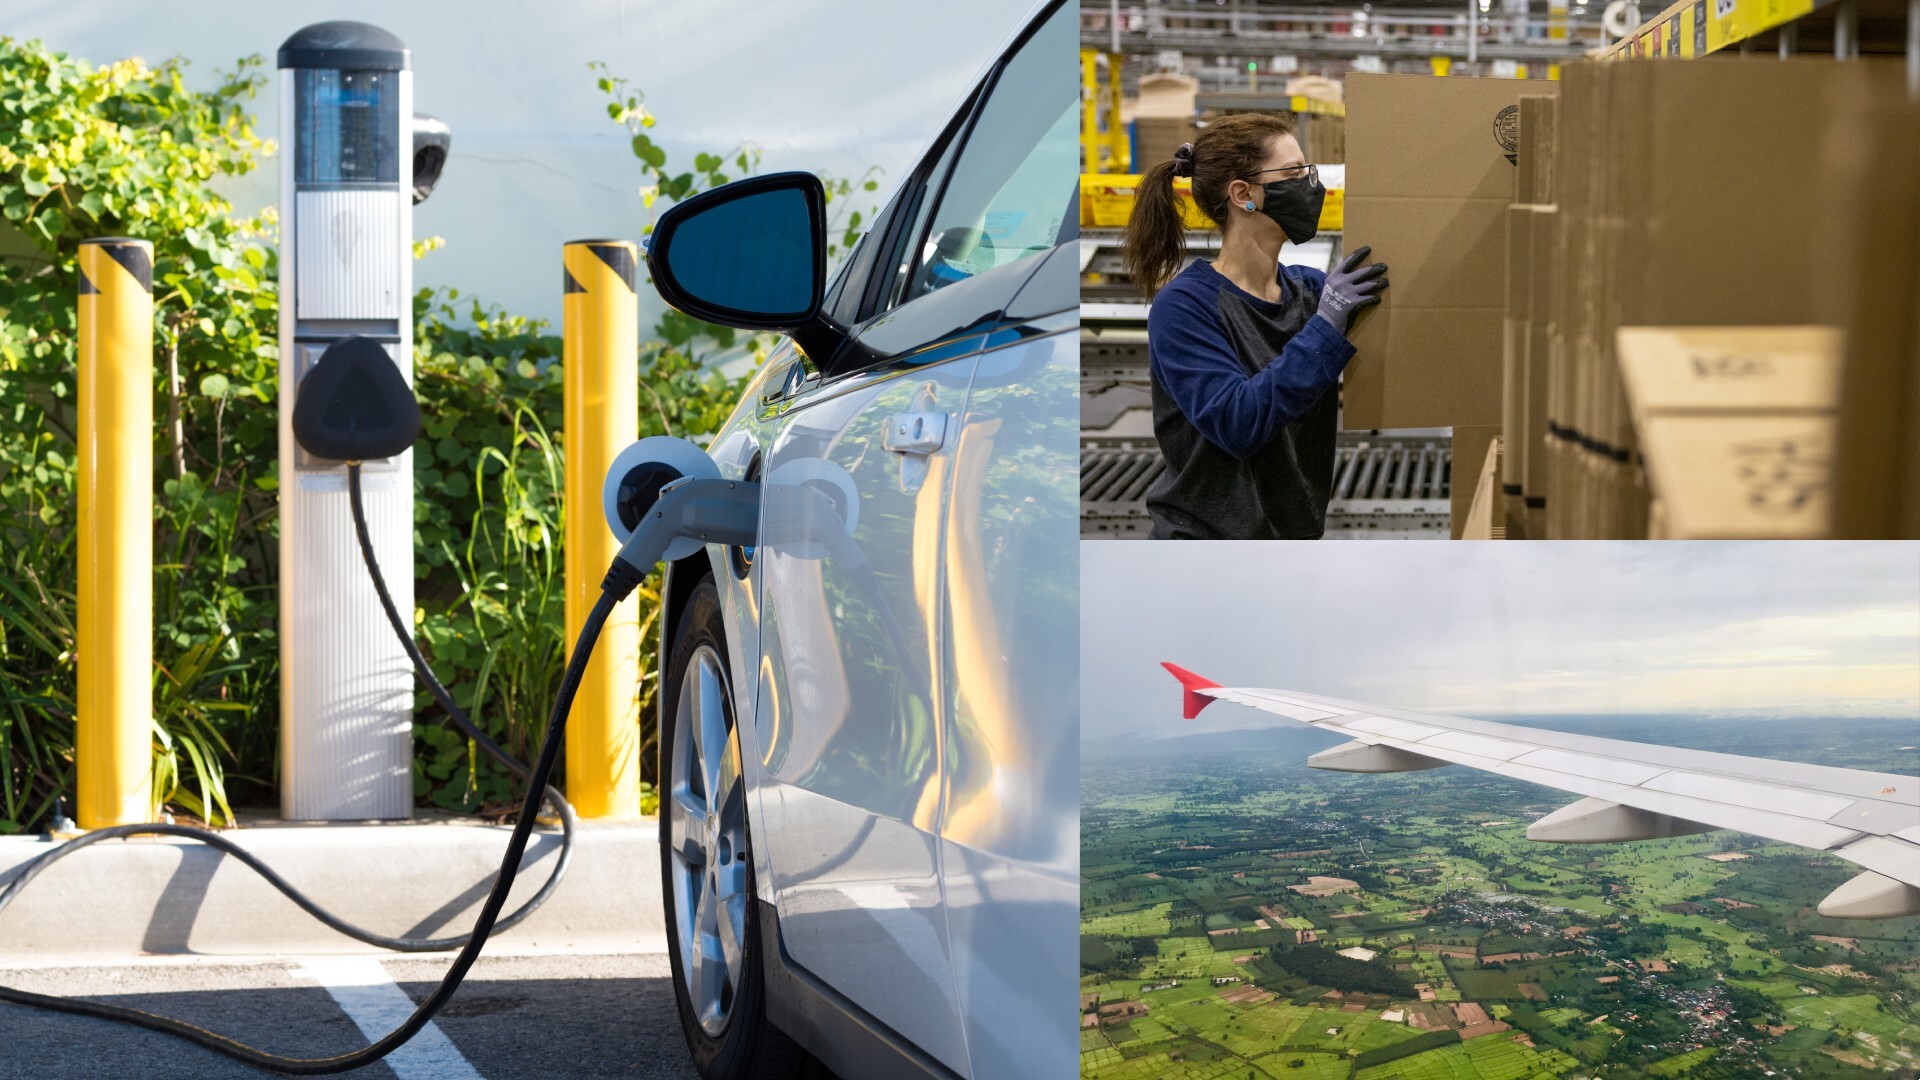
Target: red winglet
1191, 703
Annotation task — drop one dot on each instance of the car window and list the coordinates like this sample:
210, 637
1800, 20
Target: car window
1008, 194
907, 246
837, 287
843, 301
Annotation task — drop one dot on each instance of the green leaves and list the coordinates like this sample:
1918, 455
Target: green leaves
645, 149
124, 148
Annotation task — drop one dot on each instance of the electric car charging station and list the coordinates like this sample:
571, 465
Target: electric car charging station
897, 494
346, 269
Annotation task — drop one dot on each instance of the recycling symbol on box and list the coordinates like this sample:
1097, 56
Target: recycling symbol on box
1506, 130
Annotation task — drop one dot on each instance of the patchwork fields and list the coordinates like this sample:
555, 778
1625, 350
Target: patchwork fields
1470, 952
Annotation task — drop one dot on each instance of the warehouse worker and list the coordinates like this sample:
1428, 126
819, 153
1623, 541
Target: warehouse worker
1244, 356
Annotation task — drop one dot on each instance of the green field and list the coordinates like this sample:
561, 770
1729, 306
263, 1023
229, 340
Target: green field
1145, 922
1495, 1057
1429, 874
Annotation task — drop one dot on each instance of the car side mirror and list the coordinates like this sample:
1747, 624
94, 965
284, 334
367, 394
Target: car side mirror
751, 255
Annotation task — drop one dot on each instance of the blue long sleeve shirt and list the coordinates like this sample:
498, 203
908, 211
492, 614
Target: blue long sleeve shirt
1241, 406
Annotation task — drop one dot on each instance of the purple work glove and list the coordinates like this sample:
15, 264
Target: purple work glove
1350, 291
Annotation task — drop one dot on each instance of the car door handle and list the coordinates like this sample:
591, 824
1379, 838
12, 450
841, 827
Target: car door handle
916, 432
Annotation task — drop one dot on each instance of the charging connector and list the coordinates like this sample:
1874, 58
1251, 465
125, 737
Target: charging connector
709, 511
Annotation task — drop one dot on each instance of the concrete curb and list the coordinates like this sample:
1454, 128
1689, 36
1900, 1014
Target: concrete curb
162, 896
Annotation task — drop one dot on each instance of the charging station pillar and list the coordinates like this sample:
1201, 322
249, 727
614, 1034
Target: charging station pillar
600, 325
113, 751
346, 269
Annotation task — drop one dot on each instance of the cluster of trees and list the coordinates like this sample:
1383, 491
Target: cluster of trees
1115, 957
1324, 967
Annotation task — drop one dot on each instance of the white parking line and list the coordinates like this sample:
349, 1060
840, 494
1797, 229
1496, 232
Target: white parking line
377, 1005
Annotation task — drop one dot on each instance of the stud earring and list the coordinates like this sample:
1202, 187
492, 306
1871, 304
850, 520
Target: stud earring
1249, 206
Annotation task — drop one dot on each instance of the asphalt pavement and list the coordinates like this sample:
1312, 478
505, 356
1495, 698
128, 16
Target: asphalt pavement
546, 1015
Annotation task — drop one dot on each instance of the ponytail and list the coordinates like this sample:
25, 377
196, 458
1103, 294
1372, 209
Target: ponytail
1228, 149
1156, 240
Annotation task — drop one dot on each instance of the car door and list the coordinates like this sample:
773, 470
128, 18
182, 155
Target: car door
1009, 833
849, 714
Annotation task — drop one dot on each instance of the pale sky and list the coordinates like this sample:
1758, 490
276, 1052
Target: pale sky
833, 85
1787, 628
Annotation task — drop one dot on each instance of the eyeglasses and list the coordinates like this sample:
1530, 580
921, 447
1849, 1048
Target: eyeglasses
1293, 172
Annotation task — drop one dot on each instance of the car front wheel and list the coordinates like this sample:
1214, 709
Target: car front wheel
706, 864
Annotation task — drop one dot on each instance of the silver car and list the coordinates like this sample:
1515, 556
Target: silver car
869, 725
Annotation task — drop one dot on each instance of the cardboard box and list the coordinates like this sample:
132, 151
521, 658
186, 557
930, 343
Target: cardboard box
1543, 274
1736, 427
1574, 155
1513, 386
1162, 117
1530, 274
1469, 453
1730, 369
1155, 138
1871, 288
1535, 166
1430, 173
1708, 215
1478, 517
1741, 477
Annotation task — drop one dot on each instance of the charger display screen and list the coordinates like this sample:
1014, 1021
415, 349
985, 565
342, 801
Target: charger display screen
349, 127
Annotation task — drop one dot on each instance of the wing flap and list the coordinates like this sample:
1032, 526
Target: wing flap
1588, 765
1391, 728
1894, 857
1477, 745
1720, 789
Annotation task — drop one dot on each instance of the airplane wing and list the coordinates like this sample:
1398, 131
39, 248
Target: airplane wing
1634, 791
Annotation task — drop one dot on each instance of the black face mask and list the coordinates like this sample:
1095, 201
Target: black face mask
1294, 205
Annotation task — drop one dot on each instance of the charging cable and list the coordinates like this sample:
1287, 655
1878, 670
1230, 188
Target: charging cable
706, 510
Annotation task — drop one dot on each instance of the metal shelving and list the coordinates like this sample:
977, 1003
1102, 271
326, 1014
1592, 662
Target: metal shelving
1844, 29
1248, 28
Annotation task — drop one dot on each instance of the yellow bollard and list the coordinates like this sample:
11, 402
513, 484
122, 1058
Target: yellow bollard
114, 751
600, 321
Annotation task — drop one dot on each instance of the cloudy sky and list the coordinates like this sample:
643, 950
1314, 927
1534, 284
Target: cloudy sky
1706, 629
823, 85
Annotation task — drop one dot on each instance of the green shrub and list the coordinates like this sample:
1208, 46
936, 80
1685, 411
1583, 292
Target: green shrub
126, 150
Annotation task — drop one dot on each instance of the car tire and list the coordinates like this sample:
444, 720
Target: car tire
727, 1030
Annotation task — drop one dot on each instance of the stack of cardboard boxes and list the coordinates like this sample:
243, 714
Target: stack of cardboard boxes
1871, 282
1322, 135
1322, 138
1162, 118
1709, 202
1716, 194
1532, 223
1431, 168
